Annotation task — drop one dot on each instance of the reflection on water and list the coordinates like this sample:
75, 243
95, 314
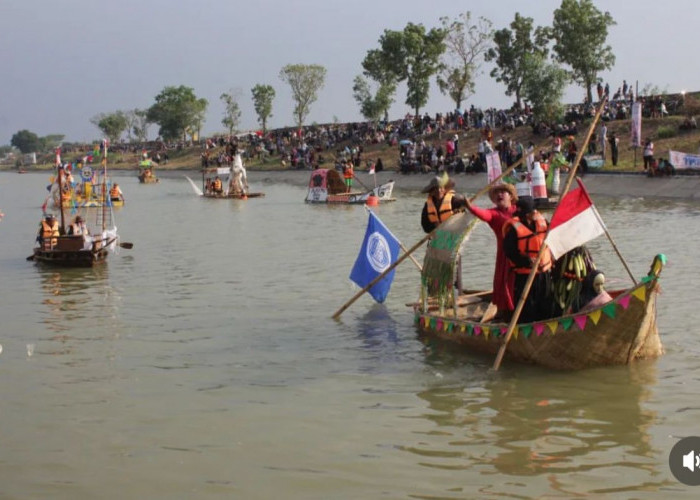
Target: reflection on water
560, 431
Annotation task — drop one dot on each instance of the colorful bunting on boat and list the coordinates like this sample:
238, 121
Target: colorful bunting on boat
581, 321
625, 301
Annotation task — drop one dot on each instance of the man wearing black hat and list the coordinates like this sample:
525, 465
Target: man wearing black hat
441, 204
524, 235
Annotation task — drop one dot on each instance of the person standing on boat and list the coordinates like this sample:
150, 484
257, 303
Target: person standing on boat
348, 175
503, 197
523, 236
48, 232
441, 204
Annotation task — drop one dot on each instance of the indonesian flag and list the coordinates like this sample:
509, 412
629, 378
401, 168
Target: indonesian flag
575, 222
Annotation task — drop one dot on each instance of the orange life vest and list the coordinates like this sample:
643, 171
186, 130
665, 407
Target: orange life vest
348, 173
529, 243
436, 216
49, 234
114, 192
217, 185
65, 194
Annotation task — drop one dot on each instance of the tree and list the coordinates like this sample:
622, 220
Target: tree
51, 141
305, 80
411, 55
26, 141
543, 87
262, 101
510, 50
232, 113
138, 124
111, 124
177, 111
579, 31
374, 106
465, 45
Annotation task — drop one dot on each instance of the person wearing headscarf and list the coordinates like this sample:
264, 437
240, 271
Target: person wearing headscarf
523, 237
593, 294
503, 197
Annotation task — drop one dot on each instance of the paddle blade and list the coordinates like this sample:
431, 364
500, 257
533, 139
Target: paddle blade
126, 244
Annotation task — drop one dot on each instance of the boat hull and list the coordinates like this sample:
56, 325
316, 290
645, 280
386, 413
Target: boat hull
617, 333
233, 196
383, 193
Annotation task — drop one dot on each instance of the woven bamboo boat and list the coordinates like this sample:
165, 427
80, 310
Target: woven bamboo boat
327, 186
617, 333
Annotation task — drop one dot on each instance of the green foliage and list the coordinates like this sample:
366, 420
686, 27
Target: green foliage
111, 124
465, 45
177, 111
262, 101
138, 124
232, 112
511, 47
543, 86
6, 149
374, 106
666, 131
26, 141
51, 141
579, 31
412, 55
305, 81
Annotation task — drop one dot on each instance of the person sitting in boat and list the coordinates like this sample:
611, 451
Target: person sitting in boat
503, 197
442, 202
48, 232
524, 235
115, 193
593, 294
78, 228
216, 186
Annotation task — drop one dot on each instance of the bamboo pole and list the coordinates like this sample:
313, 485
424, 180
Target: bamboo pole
543, 248
376, 280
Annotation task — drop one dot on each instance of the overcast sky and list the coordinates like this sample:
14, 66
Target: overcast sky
65, 61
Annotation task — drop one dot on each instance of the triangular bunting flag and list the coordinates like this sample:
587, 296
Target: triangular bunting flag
539, 328
464, 328
477, 330
438, 325
609, 309
433, 322
515, 333
470, 330
448, 326
553, 325
595, 316
566, 323
504, 331
581, 321
527, 330
646, 279
641, 293
486, 332
625, 301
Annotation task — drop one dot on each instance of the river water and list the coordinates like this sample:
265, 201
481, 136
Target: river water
204, 363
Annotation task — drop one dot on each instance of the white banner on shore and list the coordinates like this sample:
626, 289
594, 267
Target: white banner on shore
682, 161
493, 166
636, 124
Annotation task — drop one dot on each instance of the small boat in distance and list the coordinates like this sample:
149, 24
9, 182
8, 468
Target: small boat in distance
327, 186
227, 182
146, 172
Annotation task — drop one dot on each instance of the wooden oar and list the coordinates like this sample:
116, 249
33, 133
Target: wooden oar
543, 248
376, 280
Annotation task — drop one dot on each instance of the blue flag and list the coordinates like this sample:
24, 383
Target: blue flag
380, 249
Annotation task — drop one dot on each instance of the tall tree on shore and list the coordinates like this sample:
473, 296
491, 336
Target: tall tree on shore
305, 81
466, 44
111, 124
373, 107
232, 111
262, 101
411, 55
177, 111
579, 32
138, 124
26, 141
543, 87
511, 47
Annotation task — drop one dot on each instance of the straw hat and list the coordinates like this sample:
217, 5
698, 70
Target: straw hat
503, 187
439, 182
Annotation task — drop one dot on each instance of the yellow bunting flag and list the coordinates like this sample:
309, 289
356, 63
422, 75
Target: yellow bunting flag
553, 325
640, 293
595, 316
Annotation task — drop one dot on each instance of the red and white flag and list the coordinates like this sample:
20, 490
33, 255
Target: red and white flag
58, 156
575, 222
371, 169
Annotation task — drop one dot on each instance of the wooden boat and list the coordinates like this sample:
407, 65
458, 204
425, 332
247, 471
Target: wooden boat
327, 186
229, 190
616, 333
80, 250
146, 173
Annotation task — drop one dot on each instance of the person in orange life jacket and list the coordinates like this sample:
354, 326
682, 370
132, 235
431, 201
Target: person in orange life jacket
48, 232
503, 197
523, 237
216, 186
115, 193
441, 204
348, 175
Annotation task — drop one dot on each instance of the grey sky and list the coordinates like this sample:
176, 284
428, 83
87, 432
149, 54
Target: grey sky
65, 61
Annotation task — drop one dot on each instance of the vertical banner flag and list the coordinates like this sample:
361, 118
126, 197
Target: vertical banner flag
493, 166
575, 222
380, 249
636, 124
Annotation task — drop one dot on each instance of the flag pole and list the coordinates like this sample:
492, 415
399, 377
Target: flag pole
535, 264
483, 190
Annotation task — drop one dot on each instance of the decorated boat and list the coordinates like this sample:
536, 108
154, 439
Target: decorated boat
85, 241
146, 171
617, 332
84, 188
327, 186
227, 182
